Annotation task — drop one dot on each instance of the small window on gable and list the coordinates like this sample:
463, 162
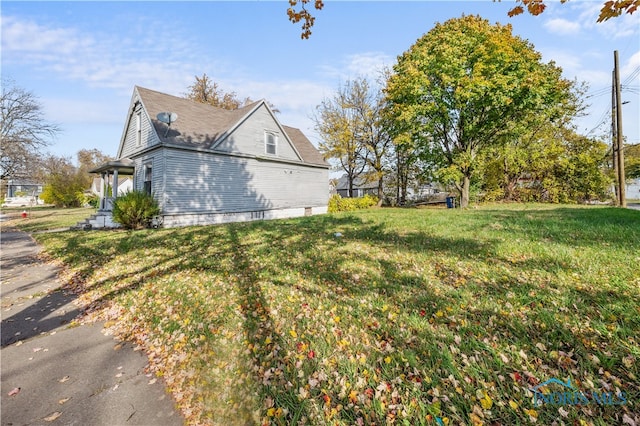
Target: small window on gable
138, 129
270, 143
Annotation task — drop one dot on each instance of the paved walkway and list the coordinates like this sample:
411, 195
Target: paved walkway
55, 373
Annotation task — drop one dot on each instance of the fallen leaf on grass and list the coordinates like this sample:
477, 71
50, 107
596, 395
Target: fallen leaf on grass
53, 416
64, 379
14, 392
63, 400
486, 402
476, 420
152, 381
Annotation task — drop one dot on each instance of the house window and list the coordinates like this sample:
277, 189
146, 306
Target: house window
138, 129
270, 143
147, 179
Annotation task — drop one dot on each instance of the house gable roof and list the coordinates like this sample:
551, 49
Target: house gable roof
203, 126
305, 148
198, 125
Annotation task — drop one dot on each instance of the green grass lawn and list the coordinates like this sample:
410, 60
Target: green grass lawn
412, 316
45, 218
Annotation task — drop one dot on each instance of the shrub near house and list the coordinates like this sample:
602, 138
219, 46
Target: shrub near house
135, 209
339, 204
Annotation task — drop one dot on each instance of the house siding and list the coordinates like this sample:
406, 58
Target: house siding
156, 160
149, 137
201, 182
249, 137
212, 166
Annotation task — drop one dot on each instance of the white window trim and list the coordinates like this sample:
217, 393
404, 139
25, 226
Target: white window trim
147, 175
268, 133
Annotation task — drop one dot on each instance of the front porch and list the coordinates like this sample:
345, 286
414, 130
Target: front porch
110, 172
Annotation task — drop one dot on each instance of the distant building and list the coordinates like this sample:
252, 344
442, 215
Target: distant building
23, 187
360, 187
633, 189
125, 184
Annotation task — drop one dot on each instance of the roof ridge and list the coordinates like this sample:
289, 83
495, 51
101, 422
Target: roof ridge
205, 126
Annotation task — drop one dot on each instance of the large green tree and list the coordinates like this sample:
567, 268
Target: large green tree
632, 161
65, 183
558, 165
466, 86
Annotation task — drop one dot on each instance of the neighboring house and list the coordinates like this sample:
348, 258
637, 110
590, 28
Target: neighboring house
213, 165
23, 188
360, 187
125, 184
633, 189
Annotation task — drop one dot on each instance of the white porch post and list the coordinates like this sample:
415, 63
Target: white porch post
106, 190
102, 190
115, 184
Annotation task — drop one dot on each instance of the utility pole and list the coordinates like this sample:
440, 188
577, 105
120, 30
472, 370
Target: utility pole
614, 138
619, 140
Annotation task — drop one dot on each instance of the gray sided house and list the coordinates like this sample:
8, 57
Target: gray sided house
213, 165
360, 187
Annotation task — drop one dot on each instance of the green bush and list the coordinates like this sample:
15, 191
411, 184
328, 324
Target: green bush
339, 204
85, 199
135, 209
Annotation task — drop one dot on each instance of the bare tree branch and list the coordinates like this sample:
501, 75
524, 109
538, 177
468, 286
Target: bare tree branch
24, 132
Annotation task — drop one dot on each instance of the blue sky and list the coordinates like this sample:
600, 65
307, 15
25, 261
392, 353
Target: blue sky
82, 59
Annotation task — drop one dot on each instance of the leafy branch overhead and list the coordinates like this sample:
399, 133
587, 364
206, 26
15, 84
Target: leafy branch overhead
297, 15
610, 9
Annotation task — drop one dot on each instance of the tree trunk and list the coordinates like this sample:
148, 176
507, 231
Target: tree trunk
350, 191
380, 192
464, 192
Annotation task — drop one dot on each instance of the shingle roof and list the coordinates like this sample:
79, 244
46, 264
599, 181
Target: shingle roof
358, 183
201, 125
197, 125
304, 146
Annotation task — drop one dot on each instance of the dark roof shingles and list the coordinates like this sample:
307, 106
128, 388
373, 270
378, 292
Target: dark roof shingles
202, 125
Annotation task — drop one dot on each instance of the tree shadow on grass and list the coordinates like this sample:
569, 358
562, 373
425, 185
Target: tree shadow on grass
339, 270
266, 363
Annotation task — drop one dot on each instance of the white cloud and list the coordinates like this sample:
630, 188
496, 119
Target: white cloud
366, 64
36, 42
103, 60
630, 66
623, 26
562, 26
